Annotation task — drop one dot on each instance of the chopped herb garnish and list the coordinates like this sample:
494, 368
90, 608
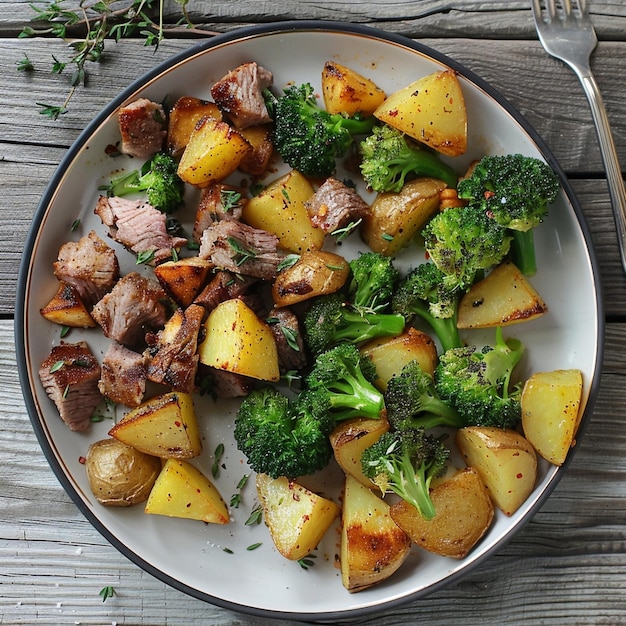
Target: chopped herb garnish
387, 237
55, 367
307, 561
64, 331
25, 64
219, 452
255, 517
145, 257
243, 254
227, 550
107, 592
229, 199
341, 233
288, 261
75, 225
254, 546
291, 337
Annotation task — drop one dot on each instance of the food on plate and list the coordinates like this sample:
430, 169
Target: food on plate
323, 352
464, 513
551, 412
182, 490
515, 190
504, 297
143, 127
373, 547
237, 340
391, 354
431, 110
279, 209
165, 426
118, 474
297, 518
315, 273
348, 92
505, 461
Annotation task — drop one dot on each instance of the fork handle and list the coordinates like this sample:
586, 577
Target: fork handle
617, 192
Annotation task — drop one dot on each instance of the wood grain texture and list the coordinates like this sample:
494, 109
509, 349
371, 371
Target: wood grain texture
567, 566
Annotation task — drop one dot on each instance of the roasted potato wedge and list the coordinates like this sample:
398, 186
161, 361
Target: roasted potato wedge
163, 426
296, 517
504, 297
391, 354
346, 91
395, 217
182, 490
236, 340
316, 273
280, 209
213, 152
184, 115
66, 308
350, 438
551, 412
183, 279
430, 110
464, 512
506, 462
372, 545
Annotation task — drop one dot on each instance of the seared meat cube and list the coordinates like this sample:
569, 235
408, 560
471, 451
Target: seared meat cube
224, 286
241, 249
335, 205
239, 95
224, 384
143, 127
131, 308
70, 376
89, 265
123, 375
138, 226
217, 202
289, 341
176, 361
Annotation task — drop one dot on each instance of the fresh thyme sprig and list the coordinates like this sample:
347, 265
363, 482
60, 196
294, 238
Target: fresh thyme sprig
90, 26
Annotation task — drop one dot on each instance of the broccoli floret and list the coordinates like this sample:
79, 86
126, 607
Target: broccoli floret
463, 242
374, 278
388, 159
308, 138
158, 178
412, 401
423, 292
284, 437
345, 376
515, 190
477, 383
330, 321
405, 462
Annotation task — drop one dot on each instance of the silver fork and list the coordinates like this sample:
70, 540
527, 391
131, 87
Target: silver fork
566, 32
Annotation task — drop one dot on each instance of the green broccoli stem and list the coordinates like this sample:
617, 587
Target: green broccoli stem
444, 327
357, 327
365, 402
523, 251
422, 162
415, 488
437, 413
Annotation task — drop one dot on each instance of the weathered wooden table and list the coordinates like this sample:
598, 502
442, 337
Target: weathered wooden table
567, 566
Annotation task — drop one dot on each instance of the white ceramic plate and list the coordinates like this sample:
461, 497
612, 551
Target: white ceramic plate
190, 555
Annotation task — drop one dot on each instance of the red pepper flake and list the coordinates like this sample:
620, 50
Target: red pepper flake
82, 460
177, 424
520, 475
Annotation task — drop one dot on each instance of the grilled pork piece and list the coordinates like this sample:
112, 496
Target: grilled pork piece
123, 375
70, 376
89, 265
130, 309
224, 286
289, 341
217, 202
138, 226
143, 128
241, 249
335, 205
176, 361
226, 384
239, 95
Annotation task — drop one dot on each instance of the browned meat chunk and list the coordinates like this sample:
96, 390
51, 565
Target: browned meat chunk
217, 202
225, 384
335, 205
131, 308
123, 375
139, 227
89, 265
241, 249
176, 361
239, 95
70, 376
143, 128
289, 341
224, 286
